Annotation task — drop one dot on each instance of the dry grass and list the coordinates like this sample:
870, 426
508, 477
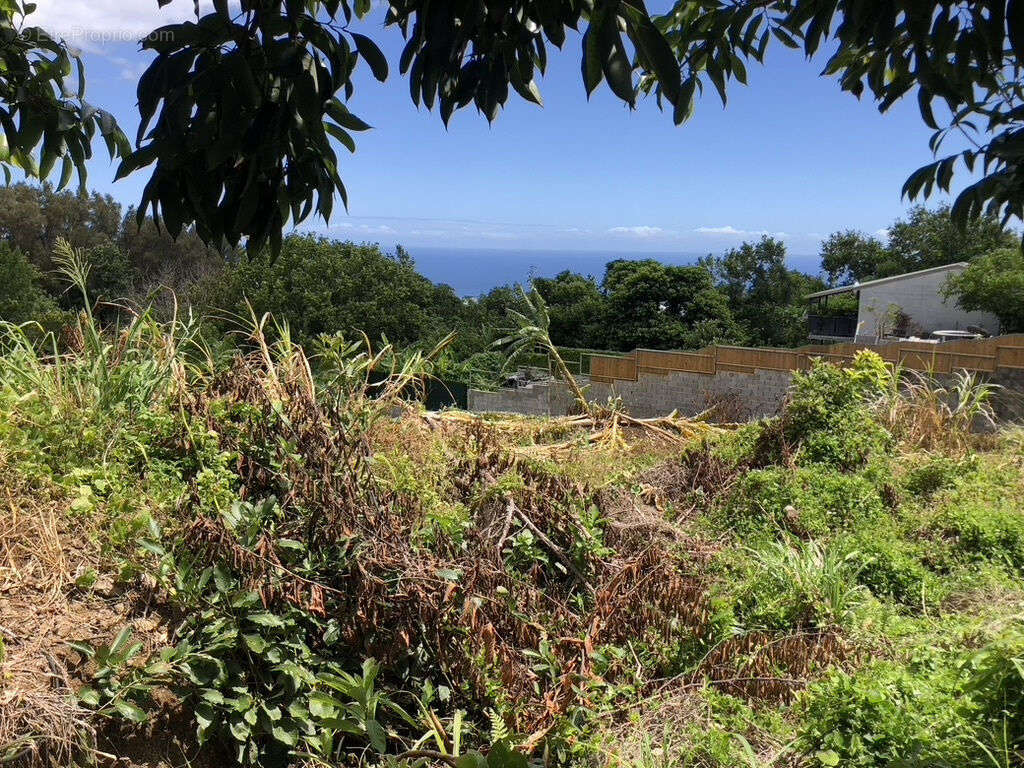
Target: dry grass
40, 722
43, 550
925, 414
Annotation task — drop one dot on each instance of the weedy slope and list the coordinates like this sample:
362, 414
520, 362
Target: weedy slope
278, 559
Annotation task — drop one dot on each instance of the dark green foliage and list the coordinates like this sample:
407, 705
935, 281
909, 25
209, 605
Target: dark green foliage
126, 261
851, 256
663, 307
926, 238
993, 283
322, 286
577, 309
935, 474
249, 102
21, 297
256, 95
765, 296
43, 113
965, 56
931, 238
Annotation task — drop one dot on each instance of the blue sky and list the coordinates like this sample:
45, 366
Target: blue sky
791, 155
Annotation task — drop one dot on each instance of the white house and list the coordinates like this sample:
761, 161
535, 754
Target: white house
911, 304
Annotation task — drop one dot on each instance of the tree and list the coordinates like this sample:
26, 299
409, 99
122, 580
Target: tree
993, 283
653, 305
238, 110
21, 297
851, 256
576, 307
33, 218
931, 238
323, 286
765, 296
926, 238
43, 113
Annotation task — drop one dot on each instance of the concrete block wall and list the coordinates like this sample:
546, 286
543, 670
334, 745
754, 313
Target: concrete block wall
738, 395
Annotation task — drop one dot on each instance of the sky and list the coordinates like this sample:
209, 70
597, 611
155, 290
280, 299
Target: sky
791, 155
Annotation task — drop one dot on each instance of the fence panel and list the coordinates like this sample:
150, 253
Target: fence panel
986, 355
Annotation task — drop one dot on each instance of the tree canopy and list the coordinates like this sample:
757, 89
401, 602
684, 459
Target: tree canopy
925, 238
241, 111
765, 296
993, 283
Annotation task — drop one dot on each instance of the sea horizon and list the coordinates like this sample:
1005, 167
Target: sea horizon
475, 271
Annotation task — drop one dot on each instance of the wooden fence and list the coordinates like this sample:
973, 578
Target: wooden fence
984, 355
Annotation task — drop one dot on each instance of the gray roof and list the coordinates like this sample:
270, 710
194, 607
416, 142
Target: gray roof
893, 278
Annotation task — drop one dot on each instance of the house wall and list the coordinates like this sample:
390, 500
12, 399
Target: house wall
919, 297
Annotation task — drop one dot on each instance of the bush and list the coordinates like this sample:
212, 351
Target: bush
813, 500
797, 585
827, 420
21, 297
884, 715
935, 474
889, 565
996, 683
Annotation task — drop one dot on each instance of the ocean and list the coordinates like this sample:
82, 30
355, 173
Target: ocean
473, 271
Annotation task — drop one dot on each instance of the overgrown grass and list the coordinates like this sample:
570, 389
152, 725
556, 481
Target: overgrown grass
281, 560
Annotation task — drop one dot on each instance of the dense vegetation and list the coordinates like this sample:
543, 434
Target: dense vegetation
274, 559
746, 295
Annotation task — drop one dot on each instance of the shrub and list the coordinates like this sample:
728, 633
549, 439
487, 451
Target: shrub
21, 297
996, 683
889, 565
884, 715
797, 584
827, 419
935, 474
813, 500
976, 530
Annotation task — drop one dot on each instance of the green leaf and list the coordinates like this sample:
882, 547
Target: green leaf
254, 642
89, 696
1015, 26
130, 711
372, 55
286, 734
827, 757
266, 619
378, 737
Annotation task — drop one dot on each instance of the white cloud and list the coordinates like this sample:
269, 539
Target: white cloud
640, 231
733, 231
882, 234
376, 229
728, 230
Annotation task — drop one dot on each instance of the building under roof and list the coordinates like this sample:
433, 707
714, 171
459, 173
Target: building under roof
899, 306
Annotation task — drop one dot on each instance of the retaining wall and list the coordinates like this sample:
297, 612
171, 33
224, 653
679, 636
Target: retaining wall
734, 396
